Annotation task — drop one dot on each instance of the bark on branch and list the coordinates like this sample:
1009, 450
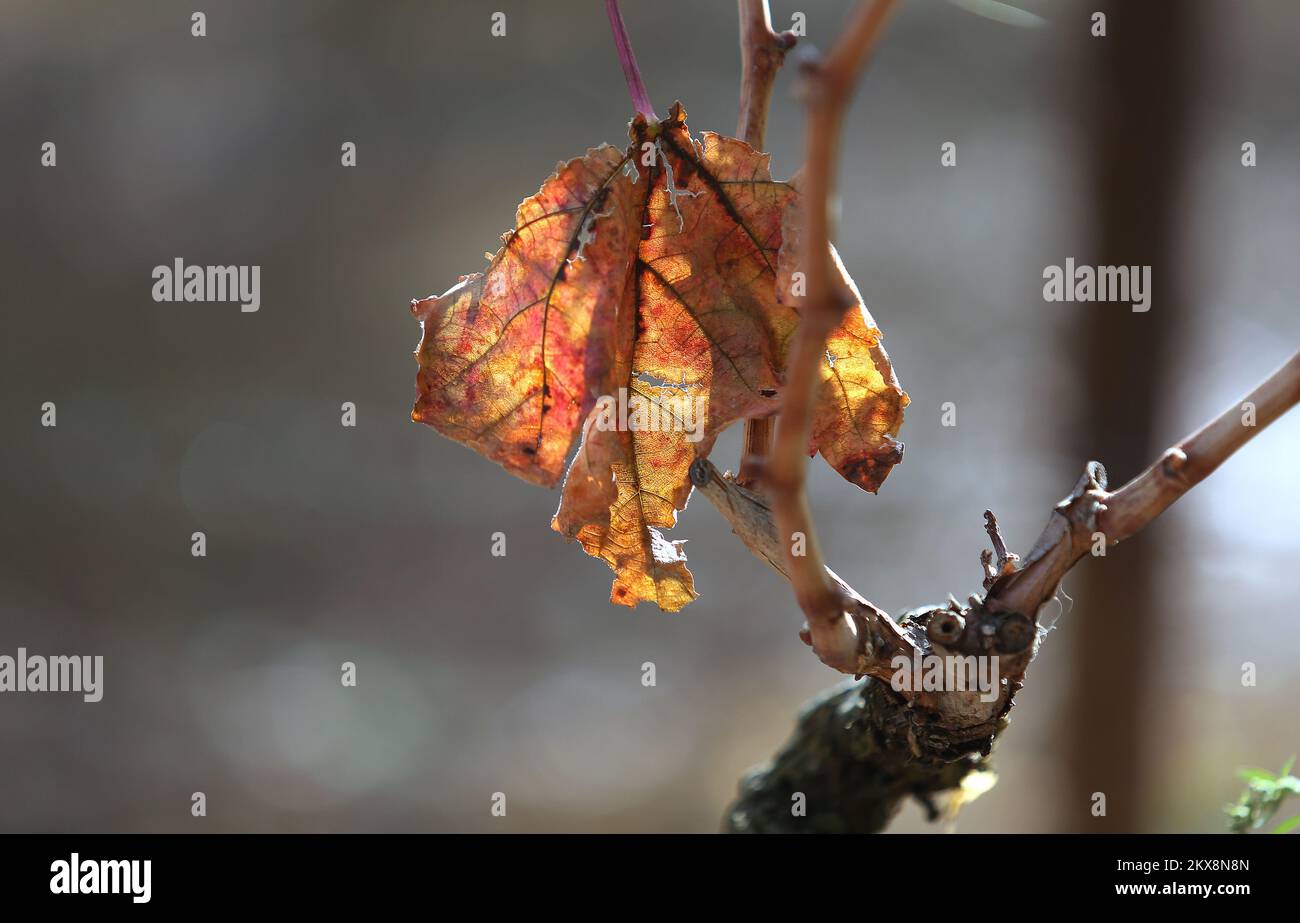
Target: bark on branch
832, 629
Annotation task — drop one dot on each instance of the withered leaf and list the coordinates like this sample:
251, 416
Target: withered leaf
643, 303
859, 404
511, 358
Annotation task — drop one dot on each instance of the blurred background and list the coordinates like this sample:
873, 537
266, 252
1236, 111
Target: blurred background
371, 544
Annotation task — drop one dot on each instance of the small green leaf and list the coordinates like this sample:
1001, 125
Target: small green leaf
1251, 774
1287, 825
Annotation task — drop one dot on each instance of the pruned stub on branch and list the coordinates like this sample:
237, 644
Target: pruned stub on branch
894, 734
934, 687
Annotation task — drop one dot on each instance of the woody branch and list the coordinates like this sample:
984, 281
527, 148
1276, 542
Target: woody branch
845, 745
840, 629
1091, 512
762, 52
846, 631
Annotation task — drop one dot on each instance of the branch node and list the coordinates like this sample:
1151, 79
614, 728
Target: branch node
1172, 465
701, 472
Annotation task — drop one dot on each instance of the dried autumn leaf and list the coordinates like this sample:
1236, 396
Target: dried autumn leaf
653, 281
623, 488
859, 403
512, 359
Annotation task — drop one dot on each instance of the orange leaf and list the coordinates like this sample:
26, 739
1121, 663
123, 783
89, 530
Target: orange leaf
859, 404
511, 359
643, 303
623, 487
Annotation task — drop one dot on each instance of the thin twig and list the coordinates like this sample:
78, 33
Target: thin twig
1092, 513
1000, 559
1191, 461
832, 633
762, 52
627, 58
